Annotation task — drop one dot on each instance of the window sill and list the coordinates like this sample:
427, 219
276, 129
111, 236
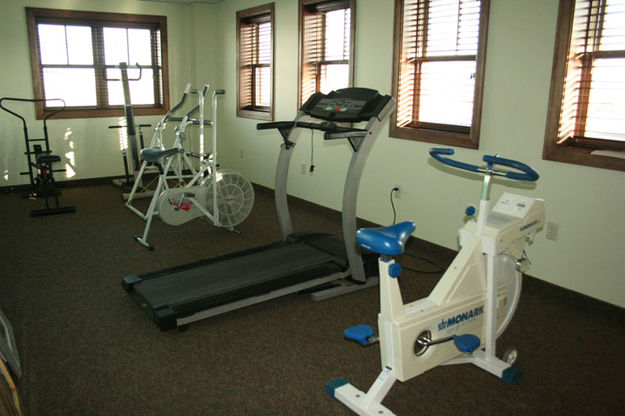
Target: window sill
109, 112
446, 138
254, 114
582, 156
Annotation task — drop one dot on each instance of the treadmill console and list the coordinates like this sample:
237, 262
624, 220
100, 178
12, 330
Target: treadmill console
348, 105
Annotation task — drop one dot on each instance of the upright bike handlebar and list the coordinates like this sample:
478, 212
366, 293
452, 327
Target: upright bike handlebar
526, 173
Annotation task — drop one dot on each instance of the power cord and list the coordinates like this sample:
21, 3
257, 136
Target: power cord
433, 263
395, 189
312, 152
440, 268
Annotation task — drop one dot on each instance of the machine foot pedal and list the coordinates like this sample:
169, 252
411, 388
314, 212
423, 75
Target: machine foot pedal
467, 342
362, 334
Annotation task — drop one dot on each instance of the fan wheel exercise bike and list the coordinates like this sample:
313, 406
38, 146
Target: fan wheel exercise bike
223, 196
471, 305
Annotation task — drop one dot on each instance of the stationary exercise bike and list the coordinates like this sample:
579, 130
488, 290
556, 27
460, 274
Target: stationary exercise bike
470, 307
223, 196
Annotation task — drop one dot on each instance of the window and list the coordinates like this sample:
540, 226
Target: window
326, 46
75, 56
255, 62
586, 118
438, 70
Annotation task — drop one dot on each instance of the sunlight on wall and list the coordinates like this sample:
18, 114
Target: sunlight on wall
6, 175
123, 135
202, 140
70, 156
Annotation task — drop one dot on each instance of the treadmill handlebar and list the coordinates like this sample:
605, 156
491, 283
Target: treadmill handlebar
275, 125
328, 127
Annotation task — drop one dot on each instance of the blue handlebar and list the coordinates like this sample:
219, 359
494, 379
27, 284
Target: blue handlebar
528, 174
437, 152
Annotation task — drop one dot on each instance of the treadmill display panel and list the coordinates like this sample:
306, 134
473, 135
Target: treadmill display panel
344, 108
346, 105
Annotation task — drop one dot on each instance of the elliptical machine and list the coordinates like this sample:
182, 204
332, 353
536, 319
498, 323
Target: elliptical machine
470, 307
40, 161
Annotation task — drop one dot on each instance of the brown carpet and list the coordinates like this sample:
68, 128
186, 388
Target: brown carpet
87, 349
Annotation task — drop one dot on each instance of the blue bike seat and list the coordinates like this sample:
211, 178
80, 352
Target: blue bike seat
386, 240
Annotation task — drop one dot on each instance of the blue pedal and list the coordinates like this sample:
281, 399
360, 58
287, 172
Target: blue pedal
359, 333
467, 342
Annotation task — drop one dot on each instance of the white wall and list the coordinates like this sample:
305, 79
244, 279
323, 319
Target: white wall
587, 203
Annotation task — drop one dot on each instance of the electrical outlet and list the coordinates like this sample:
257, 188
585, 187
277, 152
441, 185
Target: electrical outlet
552, 231
304, 168
397, 192
241, 153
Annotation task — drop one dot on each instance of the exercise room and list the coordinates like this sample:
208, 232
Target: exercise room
312, 207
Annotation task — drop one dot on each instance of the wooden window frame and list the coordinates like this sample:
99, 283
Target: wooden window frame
576, 149
254, 15
97, 20
445, 134
336, 4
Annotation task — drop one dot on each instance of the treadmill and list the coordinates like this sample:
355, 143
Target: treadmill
178, 296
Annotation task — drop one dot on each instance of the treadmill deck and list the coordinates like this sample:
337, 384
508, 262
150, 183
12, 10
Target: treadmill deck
181, 291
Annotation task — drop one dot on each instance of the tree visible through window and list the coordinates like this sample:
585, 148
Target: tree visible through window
586, 121
75, 55
326, 30
439, 69
255, 62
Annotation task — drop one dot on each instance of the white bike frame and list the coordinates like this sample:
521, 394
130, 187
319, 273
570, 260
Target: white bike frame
175, 168
472, 285
199, 178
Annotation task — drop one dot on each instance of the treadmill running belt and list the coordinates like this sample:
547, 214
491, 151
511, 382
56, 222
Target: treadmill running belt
213, 280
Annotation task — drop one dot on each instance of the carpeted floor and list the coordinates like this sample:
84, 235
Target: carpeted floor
87, 349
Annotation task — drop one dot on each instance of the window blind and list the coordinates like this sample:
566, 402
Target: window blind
255, 63
326, 46
593, 101
438, 53
248, 40
79, 63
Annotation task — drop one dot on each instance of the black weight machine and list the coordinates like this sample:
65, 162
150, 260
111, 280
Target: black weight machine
40, 162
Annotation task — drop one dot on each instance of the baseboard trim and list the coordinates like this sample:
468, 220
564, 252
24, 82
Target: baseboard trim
63, 184
531, 283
